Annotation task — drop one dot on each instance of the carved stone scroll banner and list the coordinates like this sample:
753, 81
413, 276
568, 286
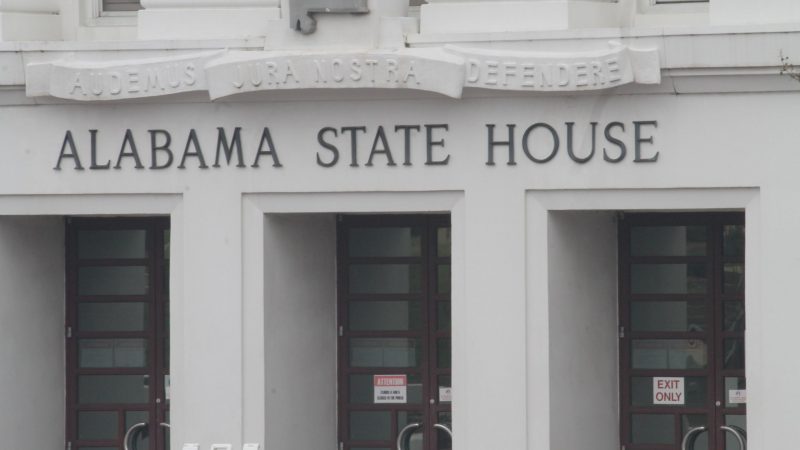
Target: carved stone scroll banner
444, 70
118, 80
431, 70
544, 71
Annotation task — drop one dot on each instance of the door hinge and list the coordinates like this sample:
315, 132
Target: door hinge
69, 446
622, 447
341, 331
68, 333
622, 335
341, 445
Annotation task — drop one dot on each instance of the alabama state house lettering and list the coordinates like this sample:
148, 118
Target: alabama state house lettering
386, 145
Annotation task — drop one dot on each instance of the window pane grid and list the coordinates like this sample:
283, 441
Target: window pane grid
702, 300
391, 283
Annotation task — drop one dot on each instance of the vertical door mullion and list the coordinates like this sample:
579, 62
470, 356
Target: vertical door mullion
429, 344
722, 372
623, 237
434, 298
709, 302
719, 439
342, 287
156, 264
71, 350
164, 301
151, 337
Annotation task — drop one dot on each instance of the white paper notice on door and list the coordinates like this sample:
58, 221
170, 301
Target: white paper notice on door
737, 396
668, 391
390, 388
445, 394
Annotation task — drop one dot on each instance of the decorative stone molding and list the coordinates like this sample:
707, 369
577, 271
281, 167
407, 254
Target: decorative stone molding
420, 69
118, 80
538, 71
445, 70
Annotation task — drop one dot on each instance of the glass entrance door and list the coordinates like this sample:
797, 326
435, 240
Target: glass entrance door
682, 332
394, 328
118, 334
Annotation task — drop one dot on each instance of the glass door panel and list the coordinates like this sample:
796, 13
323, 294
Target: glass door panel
117, 333
394, 349
682, 324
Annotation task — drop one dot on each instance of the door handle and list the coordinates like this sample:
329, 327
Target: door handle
446, 430
403, 432
167, 427
741, 431
132, 431
739, 437
687, 438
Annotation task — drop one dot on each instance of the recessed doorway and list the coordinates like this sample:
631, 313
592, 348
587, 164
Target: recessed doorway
117, 320
394, 332
682, 316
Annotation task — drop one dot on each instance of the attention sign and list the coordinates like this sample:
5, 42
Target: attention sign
391, 388
668, 391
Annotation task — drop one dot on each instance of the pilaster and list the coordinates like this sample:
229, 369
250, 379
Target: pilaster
492, 370
207, 402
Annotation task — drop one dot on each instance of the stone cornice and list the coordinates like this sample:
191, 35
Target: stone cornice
742, 60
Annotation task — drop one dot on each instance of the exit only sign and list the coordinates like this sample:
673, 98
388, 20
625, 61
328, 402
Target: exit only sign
668, 391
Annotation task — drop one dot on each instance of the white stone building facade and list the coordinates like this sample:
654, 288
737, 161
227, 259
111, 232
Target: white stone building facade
258, 224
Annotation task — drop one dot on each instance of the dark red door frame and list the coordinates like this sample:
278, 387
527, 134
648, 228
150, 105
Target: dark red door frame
429, 335
156, 334
715, 408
